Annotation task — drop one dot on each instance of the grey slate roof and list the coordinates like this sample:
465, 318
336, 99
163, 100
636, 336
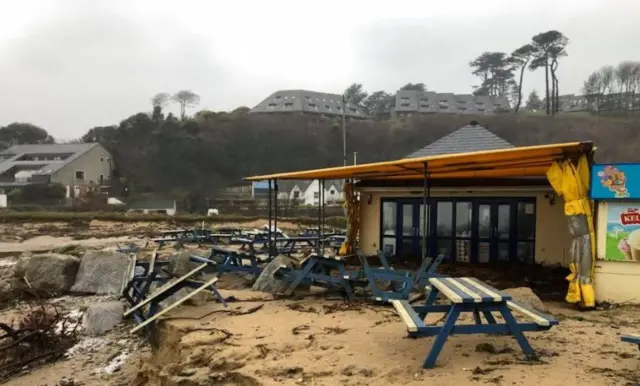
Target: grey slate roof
469, 138
10, 157
287, 101
412, 101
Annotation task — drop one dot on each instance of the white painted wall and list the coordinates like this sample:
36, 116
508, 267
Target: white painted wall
311, 196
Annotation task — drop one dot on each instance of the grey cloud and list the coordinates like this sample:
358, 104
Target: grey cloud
93, 67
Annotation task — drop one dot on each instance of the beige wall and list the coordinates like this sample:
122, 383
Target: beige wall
94, 163
615, 281
552, 234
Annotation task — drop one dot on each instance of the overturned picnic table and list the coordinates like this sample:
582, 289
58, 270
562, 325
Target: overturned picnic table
228, 260
469, 295
182, 236
317, 270
402, 281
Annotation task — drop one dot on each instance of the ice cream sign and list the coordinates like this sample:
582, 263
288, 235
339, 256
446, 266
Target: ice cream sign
623, 232
615, 181
630, 217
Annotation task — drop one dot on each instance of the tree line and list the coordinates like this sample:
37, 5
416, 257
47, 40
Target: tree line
614, 87
497, 70
378, 103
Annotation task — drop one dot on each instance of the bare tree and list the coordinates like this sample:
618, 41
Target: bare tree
185, 98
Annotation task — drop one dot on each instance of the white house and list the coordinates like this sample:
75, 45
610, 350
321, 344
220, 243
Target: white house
308, 192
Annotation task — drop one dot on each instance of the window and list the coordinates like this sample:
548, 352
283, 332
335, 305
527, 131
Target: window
312, 105
307, 98
316, 195
272, 105
101, 178
339, 108
479, 104
327, 107
332, 192
423, 106
404, 104
288, 104
389, 218
296, 194
79, 175
404, 99
278, 97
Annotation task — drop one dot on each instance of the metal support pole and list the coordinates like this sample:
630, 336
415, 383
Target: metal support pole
321, 239
275, 216
319, 219
269, 243
425, 221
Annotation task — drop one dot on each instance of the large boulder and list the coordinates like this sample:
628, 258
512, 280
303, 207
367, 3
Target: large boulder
180, 263
51, 272
525, 296
103, 272
102, 317
266, 282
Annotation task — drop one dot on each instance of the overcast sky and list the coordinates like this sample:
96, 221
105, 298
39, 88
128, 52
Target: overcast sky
69, 65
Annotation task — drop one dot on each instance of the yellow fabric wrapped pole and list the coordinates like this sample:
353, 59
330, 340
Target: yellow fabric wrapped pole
572, 183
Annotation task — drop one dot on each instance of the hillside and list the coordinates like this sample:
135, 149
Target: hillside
202, 154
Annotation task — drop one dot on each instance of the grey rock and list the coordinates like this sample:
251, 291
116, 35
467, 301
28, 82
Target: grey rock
180, 263
526, 296
266, 282
48, 272
103, 272
102, 317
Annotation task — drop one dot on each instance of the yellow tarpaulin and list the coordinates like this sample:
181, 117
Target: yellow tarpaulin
572, 183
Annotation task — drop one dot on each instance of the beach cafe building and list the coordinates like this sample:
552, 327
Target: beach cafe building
477, 199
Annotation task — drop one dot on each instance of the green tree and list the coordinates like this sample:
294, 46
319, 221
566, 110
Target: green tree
495, 71
22, 133
185, 98
520, 58
533, 102
414, 87
355, 94
549, 47
379, 103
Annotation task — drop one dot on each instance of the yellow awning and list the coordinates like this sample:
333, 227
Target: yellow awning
527, 161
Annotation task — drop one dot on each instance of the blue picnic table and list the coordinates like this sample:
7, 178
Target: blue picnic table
317, 270
634, 339
228, 260
402, 281
470, 295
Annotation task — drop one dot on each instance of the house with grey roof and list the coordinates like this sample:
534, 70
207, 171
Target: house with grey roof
466, 139
78, 165
307, 102
307, 192
410, 102
467, 219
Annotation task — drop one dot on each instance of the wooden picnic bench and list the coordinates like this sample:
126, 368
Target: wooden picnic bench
228, 260
317, 270
145, 308
470, 295
635, 339
402, 281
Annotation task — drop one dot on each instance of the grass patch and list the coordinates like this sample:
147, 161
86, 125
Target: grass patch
21, 217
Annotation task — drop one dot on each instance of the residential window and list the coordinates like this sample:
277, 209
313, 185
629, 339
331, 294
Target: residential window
338, 108
404, 99
327, 107
312, 105
423, 106
307, 98
296, 195
272, 105
332, 192
288, 104
316, 195
425, 100
404, 104
479, 103
278, 97
79, 175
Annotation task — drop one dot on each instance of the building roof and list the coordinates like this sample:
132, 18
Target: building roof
469, 138
11, 156
306, 101
525, 161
